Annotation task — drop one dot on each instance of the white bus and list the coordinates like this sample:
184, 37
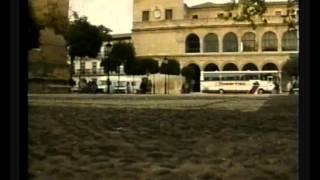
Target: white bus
239, 81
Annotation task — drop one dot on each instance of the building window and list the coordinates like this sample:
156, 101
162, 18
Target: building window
195, 16
82, 67
94, 67
145, 16
269, 42
192, 43
290, 41
249, 42
211, 43
278, 13
230, 43
168, 14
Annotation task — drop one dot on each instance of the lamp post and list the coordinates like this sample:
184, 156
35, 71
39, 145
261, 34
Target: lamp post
165, 62
107, 50
119, 71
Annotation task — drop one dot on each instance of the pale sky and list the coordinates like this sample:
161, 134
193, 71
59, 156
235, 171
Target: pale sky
115, 14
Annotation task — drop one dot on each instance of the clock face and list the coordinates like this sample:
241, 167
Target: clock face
157, 13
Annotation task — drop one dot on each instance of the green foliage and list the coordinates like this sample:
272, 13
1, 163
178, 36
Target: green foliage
292, 65
142, 66
172, 67
252, 8
121, 53
134, 68
84, 39
249, 9
150, 65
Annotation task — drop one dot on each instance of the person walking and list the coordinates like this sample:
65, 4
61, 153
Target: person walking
289, 87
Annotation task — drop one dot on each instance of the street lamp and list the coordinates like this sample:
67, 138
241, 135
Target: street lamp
119, 68
107, 50
165, 65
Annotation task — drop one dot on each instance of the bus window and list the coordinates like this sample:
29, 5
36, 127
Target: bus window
215, 78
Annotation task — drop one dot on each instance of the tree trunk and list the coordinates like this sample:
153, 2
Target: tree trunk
71, 69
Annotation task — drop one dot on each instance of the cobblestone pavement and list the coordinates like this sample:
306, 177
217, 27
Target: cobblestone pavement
148, 137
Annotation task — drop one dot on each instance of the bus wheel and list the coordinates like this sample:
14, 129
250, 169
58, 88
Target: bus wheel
260, 91
221, 91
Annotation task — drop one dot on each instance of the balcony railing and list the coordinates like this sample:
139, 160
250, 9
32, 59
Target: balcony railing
187, 23
90, 72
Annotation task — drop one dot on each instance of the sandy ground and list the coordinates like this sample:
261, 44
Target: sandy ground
146, 137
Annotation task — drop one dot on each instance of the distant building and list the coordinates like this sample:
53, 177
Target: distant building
90, 69
198, 37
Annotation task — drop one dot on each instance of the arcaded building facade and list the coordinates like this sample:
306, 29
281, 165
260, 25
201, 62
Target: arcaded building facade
196, 36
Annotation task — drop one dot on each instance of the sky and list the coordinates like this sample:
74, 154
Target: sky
115, 14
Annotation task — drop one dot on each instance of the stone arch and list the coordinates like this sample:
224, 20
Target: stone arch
289, 41
195, 85
230, 67
269, 41
270, 66
211, 67
249, 42
230, 42
192, 43
211, 43
250, 67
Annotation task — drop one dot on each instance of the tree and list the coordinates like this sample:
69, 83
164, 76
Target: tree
292, 65
249, 9
121, 53
150, 66
84, 39
172, 67
135, 67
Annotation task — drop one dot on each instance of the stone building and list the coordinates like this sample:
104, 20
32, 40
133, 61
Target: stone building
198, 37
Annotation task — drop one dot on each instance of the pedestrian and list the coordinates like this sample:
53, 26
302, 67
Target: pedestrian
289, 87
276, 87
128, 87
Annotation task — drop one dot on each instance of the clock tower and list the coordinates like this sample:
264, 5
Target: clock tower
155, 10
